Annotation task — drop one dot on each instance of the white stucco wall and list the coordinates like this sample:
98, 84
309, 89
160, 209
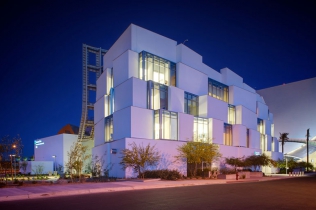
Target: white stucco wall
57, 145
293, 107
189, 78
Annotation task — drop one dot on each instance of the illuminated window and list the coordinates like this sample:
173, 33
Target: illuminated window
191, 104
108, 128
263, 142
109, 81
157, 96
260, 126
228, 134
231, 114
248, 138
218, 90
157, 69
111, 101
166, 125
200, 130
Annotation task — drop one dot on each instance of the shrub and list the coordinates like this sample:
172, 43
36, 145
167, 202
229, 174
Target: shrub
163, 174
227, 171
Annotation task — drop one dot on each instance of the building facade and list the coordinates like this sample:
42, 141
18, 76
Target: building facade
294, 107
155, 91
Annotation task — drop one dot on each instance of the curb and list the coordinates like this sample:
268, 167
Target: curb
118, 189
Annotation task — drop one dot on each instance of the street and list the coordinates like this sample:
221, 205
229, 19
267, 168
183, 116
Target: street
295, 193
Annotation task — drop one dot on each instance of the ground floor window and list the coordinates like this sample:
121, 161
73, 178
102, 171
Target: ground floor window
108, 128
263, 142
248, 138
228, 134
200, 130
166, 125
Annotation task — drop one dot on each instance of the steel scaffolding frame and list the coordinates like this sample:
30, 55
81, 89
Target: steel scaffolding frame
86, 129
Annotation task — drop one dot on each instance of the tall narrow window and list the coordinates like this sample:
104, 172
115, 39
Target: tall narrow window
111, 101
228, 134
157, 96
218, 90
200, 130
272, 130
248, 138
109, 79
260, 126
263, 142
231, 114
272, 144
157, 69
166, 125
108, 128
191, 104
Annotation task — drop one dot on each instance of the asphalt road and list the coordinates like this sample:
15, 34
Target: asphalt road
295, 193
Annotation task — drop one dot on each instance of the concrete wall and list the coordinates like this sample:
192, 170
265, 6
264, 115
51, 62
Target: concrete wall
188, 78
57, 145
293, 107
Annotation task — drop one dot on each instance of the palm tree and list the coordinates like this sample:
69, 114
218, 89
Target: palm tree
283, 137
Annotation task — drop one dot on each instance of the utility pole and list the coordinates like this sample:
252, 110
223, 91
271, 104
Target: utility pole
307, 138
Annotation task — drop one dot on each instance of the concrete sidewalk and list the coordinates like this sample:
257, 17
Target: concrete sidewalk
17, 193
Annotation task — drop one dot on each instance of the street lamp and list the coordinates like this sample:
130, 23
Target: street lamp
14, 167
11, 168
54, 156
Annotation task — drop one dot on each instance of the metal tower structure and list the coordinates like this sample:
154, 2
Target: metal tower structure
91, 70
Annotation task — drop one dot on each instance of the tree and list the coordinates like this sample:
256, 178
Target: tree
197, 152
96, 165
260, 160
236, 162
76, 158
283, 137
10, 146
23, 166
139, 158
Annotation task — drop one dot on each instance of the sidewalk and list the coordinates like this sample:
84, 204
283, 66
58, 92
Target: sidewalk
18, 193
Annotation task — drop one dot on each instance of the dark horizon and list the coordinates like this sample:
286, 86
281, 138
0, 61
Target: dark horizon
268, 43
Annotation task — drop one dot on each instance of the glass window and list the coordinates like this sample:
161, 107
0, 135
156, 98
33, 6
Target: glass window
191, 104
157, 69
228, 134
157, 95
231, 114
166, 125
218, 90
263, 142
260, 127
272, 144
248, 139
109, 79
111, 101
200, 130
108, 128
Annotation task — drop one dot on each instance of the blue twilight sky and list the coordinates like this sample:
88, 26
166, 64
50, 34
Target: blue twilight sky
268, 43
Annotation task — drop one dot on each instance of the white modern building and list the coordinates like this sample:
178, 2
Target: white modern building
155, 91
54, 149
294, 107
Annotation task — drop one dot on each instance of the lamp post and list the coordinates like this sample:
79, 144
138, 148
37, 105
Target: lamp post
11, 168
54, 156
285, 165
14, 166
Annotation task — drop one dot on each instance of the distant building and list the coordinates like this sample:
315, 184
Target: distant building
69, 129
155, 91
58, 146
294, 108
